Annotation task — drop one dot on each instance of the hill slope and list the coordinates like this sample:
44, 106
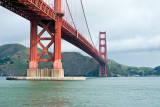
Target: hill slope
10, 49
14, 60
74, 64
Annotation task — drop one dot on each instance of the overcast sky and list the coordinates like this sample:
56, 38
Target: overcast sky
133, 32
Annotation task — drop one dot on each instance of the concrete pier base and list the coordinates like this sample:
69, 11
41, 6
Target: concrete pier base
47, 78
45, 72
57, 73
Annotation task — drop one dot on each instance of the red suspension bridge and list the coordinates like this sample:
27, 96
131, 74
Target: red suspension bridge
61, 19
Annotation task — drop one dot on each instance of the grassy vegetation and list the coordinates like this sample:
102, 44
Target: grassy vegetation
14, 59
123, 70
10, 49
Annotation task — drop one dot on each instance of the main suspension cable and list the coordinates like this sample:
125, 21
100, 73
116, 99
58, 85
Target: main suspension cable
86, 22
70, 14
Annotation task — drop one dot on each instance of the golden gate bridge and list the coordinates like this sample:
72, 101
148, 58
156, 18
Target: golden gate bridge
64, 19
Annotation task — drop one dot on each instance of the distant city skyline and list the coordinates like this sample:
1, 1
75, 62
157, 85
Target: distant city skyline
132, 26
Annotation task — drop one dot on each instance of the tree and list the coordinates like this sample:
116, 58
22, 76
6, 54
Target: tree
133, 71
158, 70
115, 70
147, 70
6, 59
11, 62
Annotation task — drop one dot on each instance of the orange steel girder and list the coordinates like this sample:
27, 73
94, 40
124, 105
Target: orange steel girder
45, 49
36, 39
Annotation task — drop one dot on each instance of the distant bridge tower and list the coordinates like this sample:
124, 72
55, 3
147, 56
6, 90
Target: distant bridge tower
103, 53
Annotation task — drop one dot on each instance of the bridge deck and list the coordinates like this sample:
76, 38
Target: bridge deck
38, 9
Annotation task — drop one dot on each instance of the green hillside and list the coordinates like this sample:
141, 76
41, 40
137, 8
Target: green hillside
10, 49
74, 64
14, 60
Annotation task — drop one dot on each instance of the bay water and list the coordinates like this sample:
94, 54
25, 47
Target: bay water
94, 92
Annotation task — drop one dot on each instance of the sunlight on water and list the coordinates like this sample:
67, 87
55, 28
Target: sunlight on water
94, 92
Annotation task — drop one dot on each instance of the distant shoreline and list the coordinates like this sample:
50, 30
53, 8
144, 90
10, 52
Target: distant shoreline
106, 77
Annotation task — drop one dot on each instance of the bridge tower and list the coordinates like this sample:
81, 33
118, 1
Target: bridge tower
103, 53
55, 38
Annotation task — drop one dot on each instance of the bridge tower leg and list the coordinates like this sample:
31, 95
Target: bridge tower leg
103, 53
33, 64
57, 64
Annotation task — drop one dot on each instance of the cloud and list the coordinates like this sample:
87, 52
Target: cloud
13, 28
138, 43
136, 58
